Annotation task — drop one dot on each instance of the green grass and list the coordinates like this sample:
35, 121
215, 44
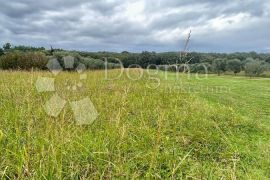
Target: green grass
265, 74
141, 132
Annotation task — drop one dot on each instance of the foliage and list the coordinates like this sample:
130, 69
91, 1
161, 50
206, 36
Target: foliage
146, 58
219, 66
254, 68
234, 66
24, 61
1, 52
267, 59
60, 55
90, 63
98, 64
7, 46
203, 68
27, 48
196, 60
31, 58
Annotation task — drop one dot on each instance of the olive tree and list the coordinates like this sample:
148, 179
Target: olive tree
219, 66
234, 66
254, 68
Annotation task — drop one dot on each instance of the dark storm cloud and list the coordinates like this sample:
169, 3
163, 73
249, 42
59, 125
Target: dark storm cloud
136, 25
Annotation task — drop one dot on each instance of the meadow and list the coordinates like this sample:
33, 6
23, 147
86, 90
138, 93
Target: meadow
187, 127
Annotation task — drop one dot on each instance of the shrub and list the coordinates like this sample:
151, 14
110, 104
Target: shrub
90, 63
24, 61
254, 68
59, 55
203, 68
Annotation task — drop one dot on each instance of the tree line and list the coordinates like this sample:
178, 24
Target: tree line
252, 63
25, 57
29, 58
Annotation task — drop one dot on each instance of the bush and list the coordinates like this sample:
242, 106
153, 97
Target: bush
93, 63
24, 61
254, 68
234, 66
59, 55
90, 63
203, 68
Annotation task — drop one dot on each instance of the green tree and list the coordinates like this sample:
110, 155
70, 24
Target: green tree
219, 66
1, 52
234, 66
254, 68
7, 46
145, 59
267, 60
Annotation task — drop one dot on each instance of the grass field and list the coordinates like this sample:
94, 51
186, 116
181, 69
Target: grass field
214, 128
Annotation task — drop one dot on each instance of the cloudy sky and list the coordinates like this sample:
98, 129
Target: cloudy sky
136, 25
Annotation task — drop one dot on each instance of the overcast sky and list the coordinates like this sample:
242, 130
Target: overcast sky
137, 25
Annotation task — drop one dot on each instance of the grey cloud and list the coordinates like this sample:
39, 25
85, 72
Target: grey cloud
104, 7
108, 25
